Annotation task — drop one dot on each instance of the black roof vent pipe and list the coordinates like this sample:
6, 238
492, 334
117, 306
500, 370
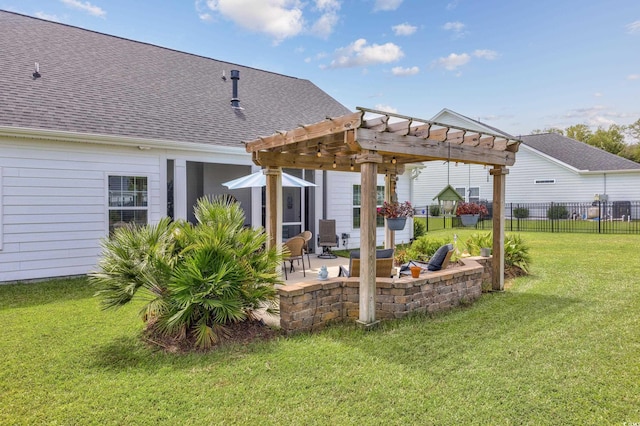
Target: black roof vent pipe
235, 102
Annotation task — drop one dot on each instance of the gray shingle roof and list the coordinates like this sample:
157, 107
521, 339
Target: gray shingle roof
101, 84
577, 154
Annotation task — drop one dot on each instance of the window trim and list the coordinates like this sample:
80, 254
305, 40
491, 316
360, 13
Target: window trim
379, 219
109, 208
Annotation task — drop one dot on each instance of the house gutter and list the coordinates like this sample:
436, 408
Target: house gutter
140, 143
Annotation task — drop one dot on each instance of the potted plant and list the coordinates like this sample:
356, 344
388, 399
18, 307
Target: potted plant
396, 214
469, 213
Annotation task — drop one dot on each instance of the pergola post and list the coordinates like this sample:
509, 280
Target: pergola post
368, 180
274, 205
499, 174
389, 196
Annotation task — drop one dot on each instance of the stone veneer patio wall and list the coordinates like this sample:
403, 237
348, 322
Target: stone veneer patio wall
309, 306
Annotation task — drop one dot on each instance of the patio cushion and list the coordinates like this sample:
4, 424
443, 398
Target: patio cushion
435, 263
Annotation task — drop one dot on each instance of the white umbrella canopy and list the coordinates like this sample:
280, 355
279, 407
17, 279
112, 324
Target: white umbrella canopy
258, 179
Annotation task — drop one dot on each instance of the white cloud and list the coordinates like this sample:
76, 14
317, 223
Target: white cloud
323, 27
452, 5
386, 108
386, 5
485, 54
457, 28
280, 19
404, 29
85, 7
405, 71
598, 95
359, 54
48, 17
453, 61
633, 77
633, 27
454, 26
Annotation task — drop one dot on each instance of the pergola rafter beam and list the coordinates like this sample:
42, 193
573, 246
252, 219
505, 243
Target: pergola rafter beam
426, 149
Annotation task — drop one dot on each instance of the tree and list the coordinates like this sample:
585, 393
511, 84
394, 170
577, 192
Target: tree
634, 130
548, 130
195, 279
610, 140
579, 132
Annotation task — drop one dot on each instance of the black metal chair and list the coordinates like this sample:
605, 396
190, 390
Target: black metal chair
327, 238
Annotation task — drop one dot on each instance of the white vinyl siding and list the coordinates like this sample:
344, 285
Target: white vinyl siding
54, 204
340, 206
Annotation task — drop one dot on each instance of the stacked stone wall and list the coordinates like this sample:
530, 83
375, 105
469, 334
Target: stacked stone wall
309, 306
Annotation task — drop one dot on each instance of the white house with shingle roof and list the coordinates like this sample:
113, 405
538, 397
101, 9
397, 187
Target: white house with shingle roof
549, 168
97, 130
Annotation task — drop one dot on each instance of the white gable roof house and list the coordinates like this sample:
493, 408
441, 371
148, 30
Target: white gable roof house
96, 130
550, 168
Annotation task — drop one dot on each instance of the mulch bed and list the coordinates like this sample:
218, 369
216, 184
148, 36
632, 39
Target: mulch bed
240, 333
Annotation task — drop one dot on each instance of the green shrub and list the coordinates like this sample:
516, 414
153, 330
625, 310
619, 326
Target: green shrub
477, 241
521, 212
423, 248
195, 278
557, 211
434, 210
516, 253
419, 228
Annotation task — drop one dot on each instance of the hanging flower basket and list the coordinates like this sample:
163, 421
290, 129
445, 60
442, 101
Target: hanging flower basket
396, 223
396, 214
469, 219
469, 213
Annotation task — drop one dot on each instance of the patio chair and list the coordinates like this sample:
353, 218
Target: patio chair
384, 264
440, 260
293, 250
327, 238
307, 235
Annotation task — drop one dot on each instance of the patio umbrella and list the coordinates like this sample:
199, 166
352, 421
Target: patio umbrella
258, 179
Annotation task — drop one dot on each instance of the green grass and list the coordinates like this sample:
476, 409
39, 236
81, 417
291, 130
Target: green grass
561, 346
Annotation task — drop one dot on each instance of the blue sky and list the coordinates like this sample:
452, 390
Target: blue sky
516, 65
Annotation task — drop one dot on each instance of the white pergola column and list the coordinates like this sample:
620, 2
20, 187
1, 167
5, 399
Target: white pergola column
180, 189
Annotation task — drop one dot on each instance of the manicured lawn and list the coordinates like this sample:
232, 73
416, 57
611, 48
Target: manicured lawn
561, 346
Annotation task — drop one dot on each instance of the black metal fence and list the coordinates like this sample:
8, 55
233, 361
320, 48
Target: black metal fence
614, 217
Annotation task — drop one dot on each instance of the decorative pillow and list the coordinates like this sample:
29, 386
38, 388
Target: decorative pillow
435, 263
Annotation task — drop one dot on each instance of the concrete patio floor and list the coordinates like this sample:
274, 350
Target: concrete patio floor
333, 266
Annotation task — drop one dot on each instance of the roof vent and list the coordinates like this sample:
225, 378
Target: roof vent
36, 72
235, 102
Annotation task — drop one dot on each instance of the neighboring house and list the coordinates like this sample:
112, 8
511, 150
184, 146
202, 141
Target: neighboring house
105, 130
549, 168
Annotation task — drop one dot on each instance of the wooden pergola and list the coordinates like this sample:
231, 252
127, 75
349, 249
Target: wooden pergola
372, 142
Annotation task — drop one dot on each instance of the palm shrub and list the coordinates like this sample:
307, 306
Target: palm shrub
200, 277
